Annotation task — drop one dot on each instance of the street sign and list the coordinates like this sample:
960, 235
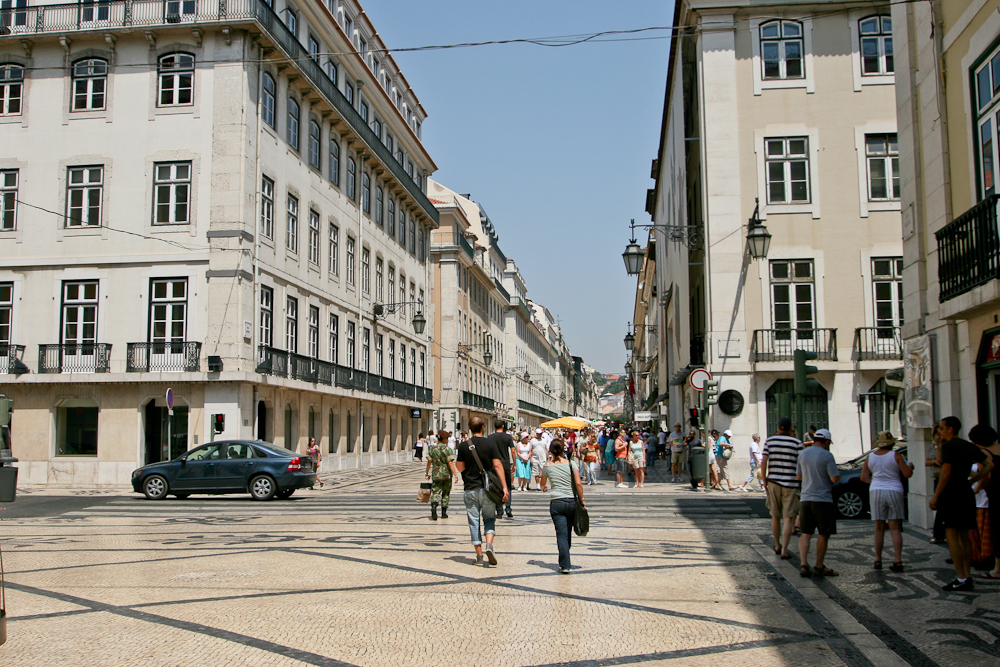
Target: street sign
698, 378
170, 401
645, 416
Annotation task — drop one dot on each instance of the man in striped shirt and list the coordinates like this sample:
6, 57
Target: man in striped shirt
780, 458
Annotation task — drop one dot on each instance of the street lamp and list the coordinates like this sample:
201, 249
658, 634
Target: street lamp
381, 310
633, 255
629, 338
689, 235
758, 238
488, 358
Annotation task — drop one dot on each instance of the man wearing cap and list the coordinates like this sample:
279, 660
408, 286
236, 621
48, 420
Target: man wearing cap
818, 472
723, 451
539, 457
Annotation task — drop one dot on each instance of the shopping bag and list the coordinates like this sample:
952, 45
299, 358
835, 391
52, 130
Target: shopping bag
424, 493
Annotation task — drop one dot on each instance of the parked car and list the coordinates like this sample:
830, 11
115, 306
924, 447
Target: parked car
850, 494
259, 468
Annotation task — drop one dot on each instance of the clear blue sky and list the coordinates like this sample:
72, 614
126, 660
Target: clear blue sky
555, 143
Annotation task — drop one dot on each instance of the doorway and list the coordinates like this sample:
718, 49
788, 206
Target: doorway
166, 436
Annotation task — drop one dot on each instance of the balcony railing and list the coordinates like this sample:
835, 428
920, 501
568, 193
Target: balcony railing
74, 358
466, 246
8, 354
157, 357
877, 343
476, 401
969, 250
524, 405
21, 22
780, 344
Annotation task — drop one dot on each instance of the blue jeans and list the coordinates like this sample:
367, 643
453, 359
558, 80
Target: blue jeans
562, 511
753, 475
476, 502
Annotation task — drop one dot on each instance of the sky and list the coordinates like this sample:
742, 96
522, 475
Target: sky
554, 143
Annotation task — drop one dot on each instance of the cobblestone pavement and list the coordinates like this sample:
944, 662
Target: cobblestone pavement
357, 574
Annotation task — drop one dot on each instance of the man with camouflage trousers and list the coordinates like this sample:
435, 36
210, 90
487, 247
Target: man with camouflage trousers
440, 470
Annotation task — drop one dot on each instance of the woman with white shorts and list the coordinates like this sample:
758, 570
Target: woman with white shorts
885, 470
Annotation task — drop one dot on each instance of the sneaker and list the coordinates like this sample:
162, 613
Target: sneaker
510, 515
479, 561
957, 585
488, 548
563, 570
621, 486
744, 489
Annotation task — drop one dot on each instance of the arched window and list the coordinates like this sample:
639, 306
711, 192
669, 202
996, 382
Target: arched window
334, 433
379, 205
334, 159
352, 178
781, 49
11, 82
90, 82
366, 192
267, 101
876, 45
314, 145
176, 79
293, 123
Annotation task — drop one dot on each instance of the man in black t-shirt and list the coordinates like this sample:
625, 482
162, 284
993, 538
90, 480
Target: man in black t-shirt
476, 501
505, 446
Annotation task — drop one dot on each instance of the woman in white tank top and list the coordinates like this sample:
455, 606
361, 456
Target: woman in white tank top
885, 469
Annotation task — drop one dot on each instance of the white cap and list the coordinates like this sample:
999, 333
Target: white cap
824, 434
538, 430
727, 433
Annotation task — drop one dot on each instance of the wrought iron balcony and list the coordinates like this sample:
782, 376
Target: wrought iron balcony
9, 353
476, 401
969, 250
877, 343
74, 358
181, 356
780, 344
466, 246
524, 405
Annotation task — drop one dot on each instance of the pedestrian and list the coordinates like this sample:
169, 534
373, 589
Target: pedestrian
441, 471
562, 475
590, 456
661, 442
754, 463
652, 442
817, 471
609, 449
678, 443
981, 538
723, 452
316, 457
418, 448
779, 460
505, 445
713, 471
954, 498
810, 437
691, 442
539, 457
621, 459
523, 465
934, 462
992, 492
602, 441
884, 470
637, 459
475, 456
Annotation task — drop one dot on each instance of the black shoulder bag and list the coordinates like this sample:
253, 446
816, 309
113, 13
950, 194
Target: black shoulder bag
491, 482
581, 517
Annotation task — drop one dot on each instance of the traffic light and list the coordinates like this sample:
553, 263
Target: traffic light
219, 423
802, 383
694, 417
711, 392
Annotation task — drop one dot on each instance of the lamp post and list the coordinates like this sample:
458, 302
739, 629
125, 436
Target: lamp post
689, 235
758, 238
381, 310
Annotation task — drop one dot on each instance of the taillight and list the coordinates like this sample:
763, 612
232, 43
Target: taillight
295, 464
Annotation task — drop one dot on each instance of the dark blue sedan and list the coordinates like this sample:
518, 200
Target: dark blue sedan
230, 466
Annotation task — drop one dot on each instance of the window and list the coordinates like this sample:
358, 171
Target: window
85, 189
334, 160
292, 324
392, 281
267, 105
334, 434
168, 311
379, 205
987, 105
413, 365
402, 226
423, 364
887, 287
366, 275
366, 193
334, 338
876, 45
402, 292
266, 316
388, 142
267, 207
349, 93
409, 169
413, 235
18, 19
76, 427
420, 245
366, 357
378, 354
350, 344
787, 164
334, 249
292, 21
314, 237
402, 362
792, 297
392, 359
882, 153
6, 312
331, 72
413, 295
390, 227
176, 79
314, 332
378, 279
292, 225
364, 112
11, 85
173, 193
351, 179
79, 314
314, 145
90, 80
8, 200
377, 128
178, 8
293, 124
350, 260
781, 49
313, 48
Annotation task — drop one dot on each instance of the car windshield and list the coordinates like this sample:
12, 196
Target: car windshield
271, 448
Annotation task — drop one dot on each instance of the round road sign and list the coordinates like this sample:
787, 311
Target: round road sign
698, 378
170, 399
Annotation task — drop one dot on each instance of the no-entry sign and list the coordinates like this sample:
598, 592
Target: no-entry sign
698, 378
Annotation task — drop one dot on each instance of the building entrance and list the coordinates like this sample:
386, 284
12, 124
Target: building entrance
158, 447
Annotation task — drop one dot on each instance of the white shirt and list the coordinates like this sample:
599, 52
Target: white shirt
754, 451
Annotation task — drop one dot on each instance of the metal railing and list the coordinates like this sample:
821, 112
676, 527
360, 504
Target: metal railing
477, 401
101, 16
780, 344
466, 246
524, 405
502, 289
8, 354
182, 356
877, 343
969, 250
74, 358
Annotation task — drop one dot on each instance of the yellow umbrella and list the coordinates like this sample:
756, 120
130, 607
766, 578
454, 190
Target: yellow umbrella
566, 422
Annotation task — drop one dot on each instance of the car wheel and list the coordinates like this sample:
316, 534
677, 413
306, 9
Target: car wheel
262, 487
155, 487
181, 496
287, 493
850, 504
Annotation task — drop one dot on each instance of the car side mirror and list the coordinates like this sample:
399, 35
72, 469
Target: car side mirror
184, 459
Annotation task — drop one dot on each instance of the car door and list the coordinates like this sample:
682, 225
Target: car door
234, 468
198, 469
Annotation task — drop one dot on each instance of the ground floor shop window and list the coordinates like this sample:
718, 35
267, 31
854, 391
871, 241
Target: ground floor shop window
76, 427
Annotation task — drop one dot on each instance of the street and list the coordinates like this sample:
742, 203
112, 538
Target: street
357, 574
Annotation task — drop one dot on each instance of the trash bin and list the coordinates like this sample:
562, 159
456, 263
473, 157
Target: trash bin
8, 480
698, 463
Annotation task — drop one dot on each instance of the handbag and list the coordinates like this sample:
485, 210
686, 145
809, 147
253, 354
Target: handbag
424, 493
581, 517
727, 453
491, 482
